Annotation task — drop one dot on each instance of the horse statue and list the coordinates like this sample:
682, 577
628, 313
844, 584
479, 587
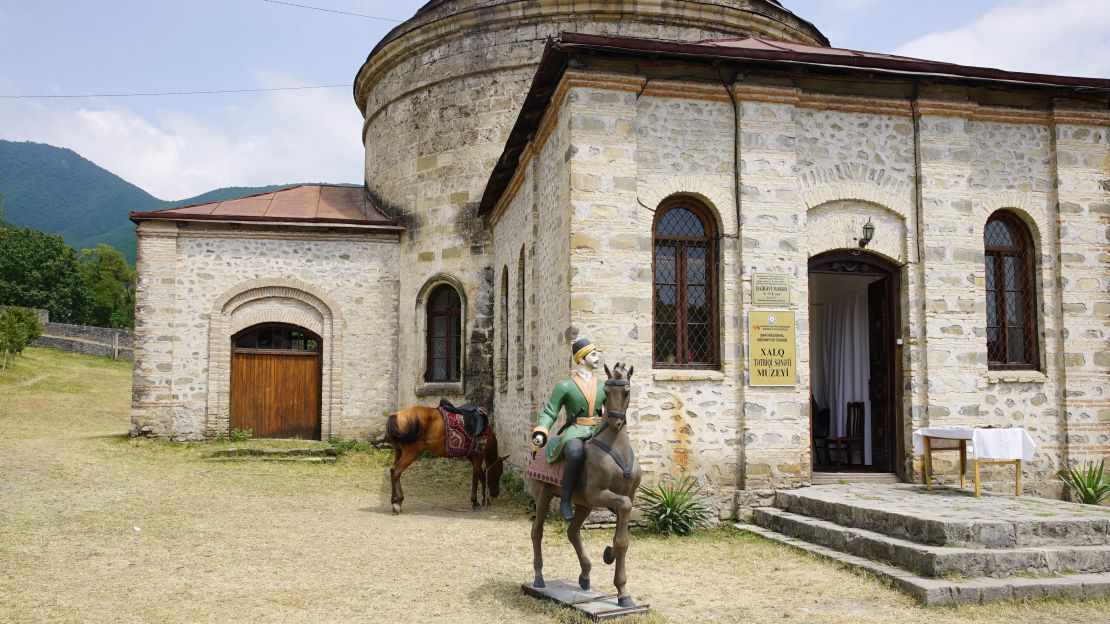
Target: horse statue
610, 477
445, 431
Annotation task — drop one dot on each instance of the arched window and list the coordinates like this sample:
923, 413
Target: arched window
684, 298
444, 335
1011, 313
520, 302
503, 371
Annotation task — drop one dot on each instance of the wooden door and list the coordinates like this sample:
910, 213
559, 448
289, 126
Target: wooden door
275, 383
880, 384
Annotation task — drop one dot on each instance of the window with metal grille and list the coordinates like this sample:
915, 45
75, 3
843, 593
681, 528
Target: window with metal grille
444, 335
503, 369
520, 303
1011, 295
684, 298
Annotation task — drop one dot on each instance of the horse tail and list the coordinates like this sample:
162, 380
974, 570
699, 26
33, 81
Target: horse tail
394, 433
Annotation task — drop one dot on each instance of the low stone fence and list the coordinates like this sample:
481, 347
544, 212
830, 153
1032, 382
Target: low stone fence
113, 343
104, 341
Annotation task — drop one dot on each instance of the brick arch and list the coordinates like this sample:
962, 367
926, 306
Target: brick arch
1022, 205
837, 224
819, 194
708, 191
280, 300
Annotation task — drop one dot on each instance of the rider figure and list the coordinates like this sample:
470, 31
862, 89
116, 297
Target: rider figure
579, 396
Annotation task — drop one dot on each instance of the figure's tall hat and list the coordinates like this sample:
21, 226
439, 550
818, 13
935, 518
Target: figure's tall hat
581, 348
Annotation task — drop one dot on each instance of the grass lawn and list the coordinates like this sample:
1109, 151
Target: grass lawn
97, 527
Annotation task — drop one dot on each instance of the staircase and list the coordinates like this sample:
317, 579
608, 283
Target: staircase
946, 546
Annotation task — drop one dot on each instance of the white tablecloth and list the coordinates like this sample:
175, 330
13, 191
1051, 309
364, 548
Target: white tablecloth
1002, 444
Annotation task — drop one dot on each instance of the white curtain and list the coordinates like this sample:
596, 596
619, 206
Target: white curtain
847, 366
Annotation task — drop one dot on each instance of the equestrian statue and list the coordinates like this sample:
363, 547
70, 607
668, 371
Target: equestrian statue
599, 468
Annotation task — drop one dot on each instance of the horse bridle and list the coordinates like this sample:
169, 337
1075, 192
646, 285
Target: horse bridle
616, 382
624, 465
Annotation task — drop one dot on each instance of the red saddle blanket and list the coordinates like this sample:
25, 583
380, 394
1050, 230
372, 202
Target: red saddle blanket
540, 470
459, 443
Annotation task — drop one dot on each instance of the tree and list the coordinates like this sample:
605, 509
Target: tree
38, 270
19, 327
111, 284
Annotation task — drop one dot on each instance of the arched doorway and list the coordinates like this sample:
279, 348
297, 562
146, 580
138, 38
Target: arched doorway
275, 382
855, 357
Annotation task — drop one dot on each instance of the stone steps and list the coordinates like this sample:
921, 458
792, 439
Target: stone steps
830, 478
938, 561
933, 592
325, 455
947, 546
975, 522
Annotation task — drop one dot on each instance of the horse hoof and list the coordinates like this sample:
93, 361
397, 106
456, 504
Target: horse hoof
396, 508
608, 556
584, 582
539, 582
625, 602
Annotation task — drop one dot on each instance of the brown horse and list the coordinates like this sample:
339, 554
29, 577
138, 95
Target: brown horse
606, 482
416, 429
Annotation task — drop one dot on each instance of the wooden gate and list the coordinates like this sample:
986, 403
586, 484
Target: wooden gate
275, 382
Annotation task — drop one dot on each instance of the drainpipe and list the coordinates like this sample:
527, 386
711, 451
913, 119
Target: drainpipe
739, 251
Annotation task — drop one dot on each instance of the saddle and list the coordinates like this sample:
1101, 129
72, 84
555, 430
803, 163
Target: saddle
475, 419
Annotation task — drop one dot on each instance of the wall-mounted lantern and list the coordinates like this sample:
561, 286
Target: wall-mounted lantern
868, 233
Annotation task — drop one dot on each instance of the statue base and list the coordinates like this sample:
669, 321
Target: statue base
596, 605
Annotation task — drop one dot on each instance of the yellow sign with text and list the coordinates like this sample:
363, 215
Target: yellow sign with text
772, 354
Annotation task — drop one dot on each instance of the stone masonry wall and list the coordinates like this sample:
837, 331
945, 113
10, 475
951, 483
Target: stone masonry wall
439, 99
200, 285
814, 167
537, 220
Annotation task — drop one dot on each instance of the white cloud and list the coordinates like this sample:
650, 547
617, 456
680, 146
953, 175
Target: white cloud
1066, 37
276, 137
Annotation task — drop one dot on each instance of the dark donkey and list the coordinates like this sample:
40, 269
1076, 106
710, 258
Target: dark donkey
416, 429
609, 478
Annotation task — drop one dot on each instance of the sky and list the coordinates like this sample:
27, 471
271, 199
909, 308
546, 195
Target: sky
177, 146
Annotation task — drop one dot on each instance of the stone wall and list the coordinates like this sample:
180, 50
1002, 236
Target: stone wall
439, 96
86, 339
536, 222
103, 341
814, 167
199, 285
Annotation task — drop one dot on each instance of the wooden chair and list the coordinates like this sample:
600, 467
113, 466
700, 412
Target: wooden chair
853, 436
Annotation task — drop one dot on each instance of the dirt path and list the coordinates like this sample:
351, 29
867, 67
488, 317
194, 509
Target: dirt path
99, 528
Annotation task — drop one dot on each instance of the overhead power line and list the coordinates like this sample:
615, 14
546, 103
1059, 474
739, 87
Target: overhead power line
208, 92
305, 6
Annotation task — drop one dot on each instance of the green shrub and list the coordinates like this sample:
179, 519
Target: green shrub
343, 447
240, 435
512, 484
1088, 483
674, 508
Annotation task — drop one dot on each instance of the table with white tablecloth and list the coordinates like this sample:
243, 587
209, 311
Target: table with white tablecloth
989, 445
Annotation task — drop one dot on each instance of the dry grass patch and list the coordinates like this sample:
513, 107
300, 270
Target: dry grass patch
98, 527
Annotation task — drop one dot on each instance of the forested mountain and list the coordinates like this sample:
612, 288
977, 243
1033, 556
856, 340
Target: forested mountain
58, 191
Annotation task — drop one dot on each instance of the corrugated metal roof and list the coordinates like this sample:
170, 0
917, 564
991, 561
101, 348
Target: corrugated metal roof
758, 48
319, 204
737, 51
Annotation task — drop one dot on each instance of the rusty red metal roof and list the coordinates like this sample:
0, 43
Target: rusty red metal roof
310, 204
741, 52
760, 49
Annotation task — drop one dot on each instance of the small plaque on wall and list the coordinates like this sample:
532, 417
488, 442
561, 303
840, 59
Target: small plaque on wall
772, 356
770, 289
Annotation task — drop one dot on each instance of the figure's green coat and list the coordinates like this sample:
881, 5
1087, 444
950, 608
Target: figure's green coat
569, 397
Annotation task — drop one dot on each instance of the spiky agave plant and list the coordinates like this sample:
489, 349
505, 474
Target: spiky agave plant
1088, 483
674, 508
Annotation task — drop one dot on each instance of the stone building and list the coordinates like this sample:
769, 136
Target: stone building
663, 178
